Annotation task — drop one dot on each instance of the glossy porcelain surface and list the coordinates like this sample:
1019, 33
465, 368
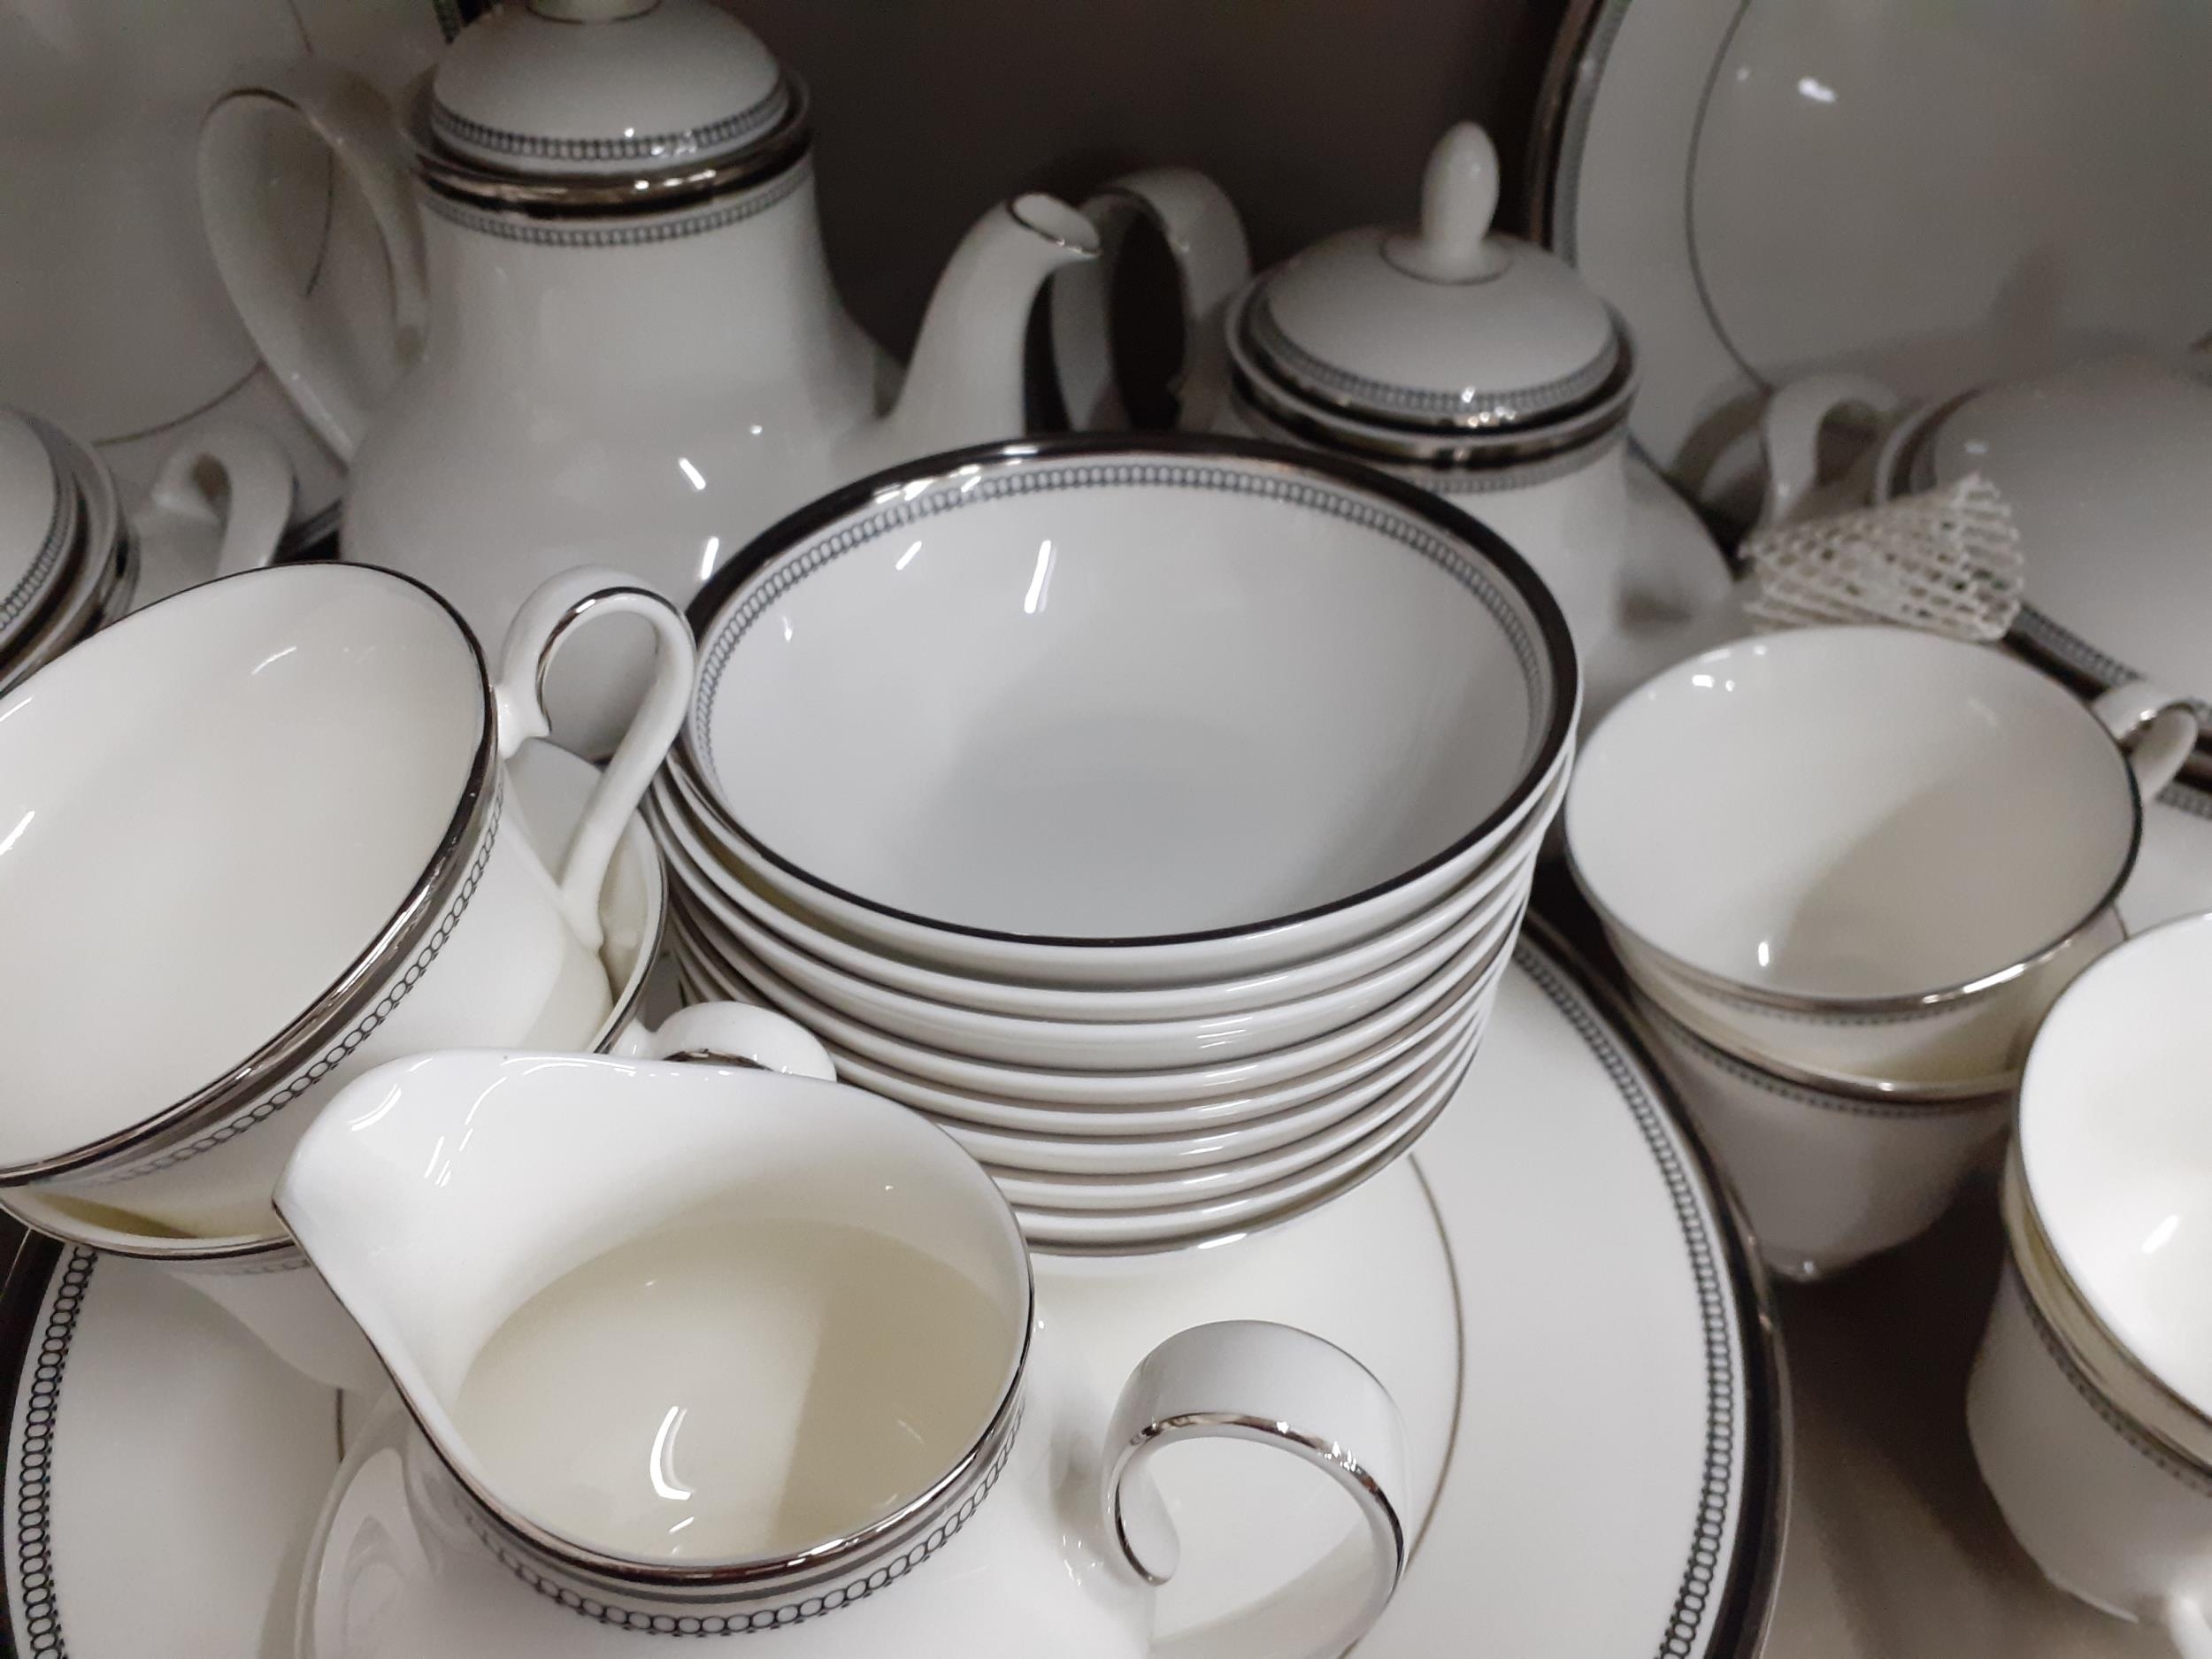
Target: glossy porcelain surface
619, 86
329, 906
1030, 749
1737, 180
1829, 813
671, 425
117, 328
1106, 1044
2100, 464
1826, 1177
2117, 1153
715, 890
1642, 1290
38, 522
1451, 988
533, 1199
96, 587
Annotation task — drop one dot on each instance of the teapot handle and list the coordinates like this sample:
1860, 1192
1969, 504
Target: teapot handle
1250, 1381
1790, 428
550, 614
1212, 262
352, 118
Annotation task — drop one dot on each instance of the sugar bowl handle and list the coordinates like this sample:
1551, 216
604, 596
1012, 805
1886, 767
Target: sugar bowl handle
732, 1034
547, 616
1250, 1381
2156, 728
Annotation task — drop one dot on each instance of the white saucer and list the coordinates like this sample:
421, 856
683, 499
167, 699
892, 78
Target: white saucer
1937, 196
1611, 1482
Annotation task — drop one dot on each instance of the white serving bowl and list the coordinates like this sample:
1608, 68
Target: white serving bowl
1094, 1045
1141, 712
1144, 1191
1472, 975
675, 814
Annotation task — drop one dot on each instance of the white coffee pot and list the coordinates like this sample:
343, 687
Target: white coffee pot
615, 336
881, 1446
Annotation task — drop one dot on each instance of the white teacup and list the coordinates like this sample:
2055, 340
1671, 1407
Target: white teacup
2089, 1407
253, 844
1866, 852
1828, 1175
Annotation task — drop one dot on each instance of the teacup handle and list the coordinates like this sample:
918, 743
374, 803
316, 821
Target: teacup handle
1789, 429
1250, 1381
730, 1033
1212, 261
257, 478
352, 118
2157, 728
558, 606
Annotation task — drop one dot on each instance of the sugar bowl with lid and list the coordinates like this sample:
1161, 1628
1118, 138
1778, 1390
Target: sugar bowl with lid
603, 212
685, 1350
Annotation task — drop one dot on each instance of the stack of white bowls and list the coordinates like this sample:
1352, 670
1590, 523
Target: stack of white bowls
1157, 817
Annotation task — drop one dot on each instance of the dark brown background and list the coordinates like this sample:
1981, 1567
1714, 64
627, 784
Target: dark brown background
1314, 115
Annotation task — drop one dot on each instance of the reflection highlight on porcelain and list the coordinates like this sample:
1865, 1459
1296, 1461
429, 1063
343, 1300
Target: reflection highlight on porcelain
720, 1389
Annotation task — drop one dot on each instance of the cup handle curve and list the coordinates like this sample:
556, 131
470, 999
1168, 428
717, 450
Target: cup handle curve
1277, 1387
1789, 434
565, 603
2158, 728
257, 480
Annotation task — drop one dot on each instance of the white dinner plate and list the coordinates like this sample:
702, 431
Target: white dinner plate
1611, 1476
1938, 195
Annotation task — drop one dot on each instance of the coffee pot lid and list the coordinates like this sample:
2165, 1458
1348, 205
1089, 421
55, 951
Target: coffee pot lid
38, 521
622, 90
1451, 327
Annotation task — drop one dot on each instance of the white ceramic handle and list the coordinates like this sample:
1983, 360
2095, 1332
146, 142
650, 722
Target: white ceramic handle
1246, 1379
257, 480
1199, 223
730, 1033
2156, 728
353, 120
2186, 1627
565, 603
1789, 429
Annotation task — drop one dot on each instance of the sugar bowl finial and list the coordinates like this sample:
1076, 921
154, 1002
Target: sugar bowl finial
1459, 198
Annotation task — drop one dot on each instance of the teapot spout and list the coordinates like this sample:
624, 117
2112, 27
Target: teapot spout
964, 385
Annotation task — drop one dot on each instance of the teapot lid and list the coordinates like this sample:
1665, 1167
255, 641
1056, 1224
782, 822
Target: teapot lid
627, 93
38, 520
1452, 327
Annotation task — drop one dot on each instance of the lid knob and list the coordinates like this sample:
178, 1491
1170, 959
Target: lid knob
591, 10
1459, 197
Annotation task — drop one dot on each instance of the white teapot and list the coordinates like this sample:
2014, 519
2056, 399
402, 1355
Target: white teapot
1468, 362
615, 336
684, 1349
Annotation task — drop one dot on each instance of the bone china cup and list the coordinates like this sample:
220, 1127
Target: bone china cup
255, 839
1865, 851
2090, 1405
1110, 711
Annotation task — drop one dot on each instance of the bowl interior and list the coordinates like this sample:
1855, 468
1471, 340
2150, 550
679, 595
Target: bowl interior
1103, 699
2117, 1146
1851, 812
207, 813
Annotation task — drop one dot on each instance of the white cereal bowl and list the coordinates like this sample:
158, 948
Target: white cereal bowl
1865, 848
1146, 1191
1140, 711
1469, 976
676, 812
1091, 1045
